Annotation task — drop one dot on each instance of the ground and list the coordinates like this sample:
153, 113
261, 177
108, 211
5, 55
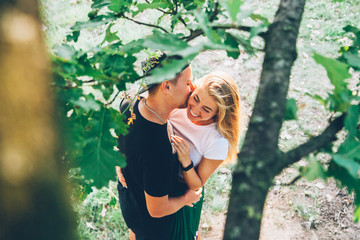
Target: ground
305, 210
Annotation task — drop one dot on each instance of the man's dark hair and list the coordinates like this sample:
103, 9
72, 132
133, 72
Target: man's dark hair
158, 59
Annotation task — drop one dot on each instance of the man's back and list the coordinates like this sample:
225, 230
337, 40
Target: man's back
151, 168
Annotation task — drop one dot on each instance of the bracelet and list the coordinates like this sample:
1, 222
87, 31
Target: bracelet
191, 165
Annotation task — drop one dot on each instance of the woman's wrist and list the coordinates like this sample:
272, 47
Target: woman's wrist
184, 160
187, 167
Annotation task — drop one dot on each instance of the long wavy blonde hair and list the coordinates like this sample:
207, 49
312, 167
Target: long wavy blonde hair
224, 90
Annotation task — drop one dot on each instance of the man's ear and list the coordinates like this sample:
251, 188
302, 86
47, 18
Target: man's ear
165, 86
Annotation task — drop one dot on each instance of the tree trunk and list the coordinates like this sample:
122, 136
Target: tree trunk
260, 158
34, 202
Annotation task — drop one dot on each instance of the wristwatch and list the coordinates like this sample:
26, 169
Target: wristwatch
185, 169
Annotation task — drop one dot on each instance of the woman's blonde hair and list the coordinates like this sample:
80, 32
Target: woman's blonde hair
224, 90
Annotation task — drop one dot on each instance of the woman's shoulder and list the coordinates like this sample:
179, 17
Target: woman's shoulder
214, 139
217, 147
177, 112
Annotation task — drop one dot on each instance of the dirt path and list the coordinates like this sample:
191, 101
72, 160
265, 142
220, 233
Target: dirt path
306, 210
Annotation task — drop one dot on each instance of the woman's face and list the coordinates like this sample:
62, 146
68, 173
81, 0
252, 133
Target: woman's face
202, 108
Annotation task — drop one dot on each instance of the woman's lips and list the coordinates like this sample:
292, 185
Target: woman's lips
193, 114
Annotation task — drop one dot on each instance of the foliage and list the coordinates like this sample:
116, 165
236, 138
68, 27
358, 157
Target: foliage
99, 216
345, 163
105, 69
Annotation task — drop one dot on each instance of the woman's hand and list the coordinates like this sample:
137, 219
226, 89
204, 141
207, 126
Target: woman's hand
183, 150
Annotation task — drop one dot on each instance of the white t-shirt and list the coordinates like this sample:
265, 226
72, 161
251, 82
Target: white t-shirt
204, 140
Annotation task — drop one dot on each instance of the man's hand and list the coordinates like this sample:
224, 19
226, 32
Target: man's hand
192, 197
120, 176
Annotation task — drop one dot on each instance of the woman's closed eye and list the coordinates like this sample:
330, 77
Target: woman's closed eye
196, 98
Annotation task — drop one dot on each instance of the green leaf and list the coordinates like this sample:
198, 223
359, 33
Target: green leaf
352, 59
92, 14
318, 98
100, 3
352, 29
133, 47
313, 170
350, 147
98, 158
105, 90
87, 104
218, 46
336, 71
120, 6
74, 36
164, 42
115, 5
233, 6
232, 41
343, 176
349, 164
352, 119
257, 17
110, 36
167, 72
203, 21
154, 5
357, 214
99, 20
291, 109
65, 51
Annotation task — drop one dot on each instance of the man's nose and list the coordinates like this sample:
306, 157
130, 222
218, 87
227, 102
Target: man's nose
192, 87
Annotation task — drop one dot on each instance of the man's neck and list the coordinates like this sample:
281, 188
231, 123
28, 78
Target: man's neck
159, 107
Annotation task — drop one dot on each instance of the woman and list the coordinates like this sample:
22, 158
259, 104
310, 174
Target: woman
206, 134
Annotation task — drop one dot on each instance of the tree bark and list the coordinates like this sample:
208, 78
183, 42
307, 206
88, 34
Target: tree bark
34, 202
259, 158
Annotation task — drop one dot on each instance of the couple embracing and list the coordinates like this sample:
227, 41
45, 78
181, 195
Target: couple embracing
180, 136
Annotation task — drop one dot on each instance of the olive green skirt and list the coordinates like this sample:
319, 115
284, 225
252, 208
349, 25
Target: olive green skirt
186, 222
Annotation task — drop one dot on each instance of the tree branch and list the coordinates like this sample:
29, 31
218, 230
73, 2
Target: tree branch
164, 12
294, 180
215, 13
112, 100
237, 27
182, 21
193, 35
145, 24
198, 32
315, 143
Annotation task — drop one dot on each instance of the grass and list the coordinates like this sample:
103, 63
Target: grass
99, 216
320, 31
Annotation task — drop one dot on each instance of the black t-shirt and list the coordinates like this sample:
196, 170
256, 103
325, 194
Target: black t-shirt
151, 167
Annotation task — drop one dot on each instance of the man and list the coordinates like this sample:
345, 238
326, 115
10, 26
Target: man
149, 200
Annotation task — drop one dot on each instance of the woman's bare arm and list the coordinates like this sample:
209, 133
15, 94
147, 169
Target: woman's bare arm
195, 179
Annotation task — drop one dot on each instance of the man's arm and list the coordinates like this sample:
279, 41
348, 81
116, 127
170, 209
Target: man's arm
163, 206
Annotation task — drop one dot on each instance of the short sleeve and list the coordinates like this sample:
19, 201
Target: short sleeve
157, 165
218, 150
